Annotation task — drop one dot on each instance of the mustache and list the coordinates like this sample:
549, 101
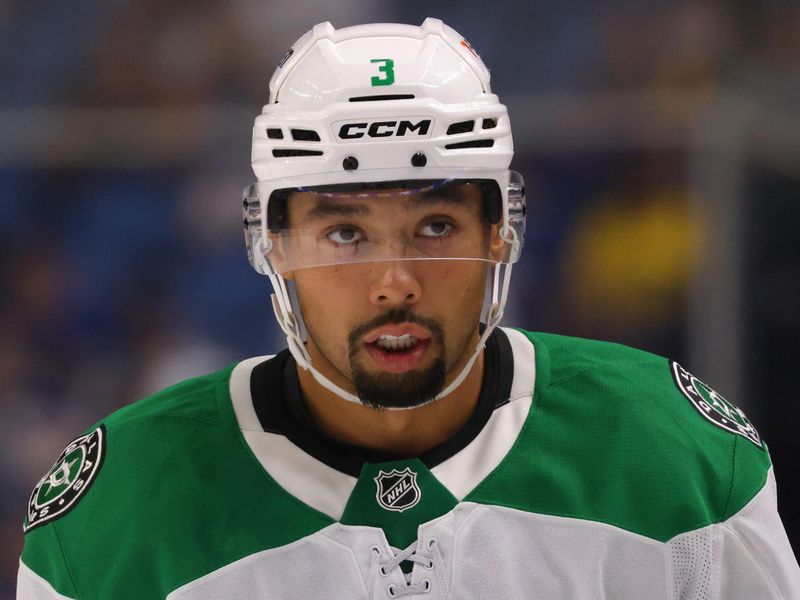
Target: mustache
393, 317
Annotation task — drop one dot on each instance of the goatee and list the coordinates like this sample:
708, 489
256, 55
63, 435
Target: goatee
397, 390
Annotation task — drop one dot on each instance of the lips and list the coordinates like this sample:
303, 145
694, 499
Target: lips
398, 360
396, 330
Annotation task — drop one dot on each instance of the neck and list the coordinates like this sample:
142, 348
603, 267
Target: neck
403, 433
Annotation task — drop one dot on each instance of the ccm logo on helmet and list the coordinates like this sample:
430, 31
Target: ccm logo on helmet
384, 129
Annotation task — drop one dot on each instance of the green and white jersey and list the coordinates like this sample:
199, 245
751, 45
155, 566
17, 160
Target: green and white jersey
589, 470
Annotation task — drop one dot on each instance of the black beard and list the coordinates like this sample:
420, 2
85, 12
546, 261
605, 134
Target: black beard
397, 390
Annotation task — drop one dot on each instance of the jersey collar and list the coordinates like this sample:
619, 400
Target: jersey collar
323, 472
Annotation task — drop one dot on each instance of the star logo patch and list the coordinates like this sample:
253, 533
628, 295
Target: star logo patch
63, 485
713, 406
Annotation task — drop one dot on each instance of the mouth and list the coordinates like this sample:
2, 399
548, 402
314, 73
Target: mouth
398, 348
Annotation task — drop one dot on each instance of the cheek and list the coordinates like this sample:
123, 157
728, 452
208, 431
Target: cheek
462, 282
323, 304
457, 293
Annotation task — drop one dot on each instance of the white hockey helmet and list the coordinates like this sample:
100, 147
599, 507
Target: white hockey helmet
398, 108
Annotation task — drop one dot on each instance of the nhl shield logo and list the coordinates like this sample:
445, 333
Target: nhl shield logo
397, 490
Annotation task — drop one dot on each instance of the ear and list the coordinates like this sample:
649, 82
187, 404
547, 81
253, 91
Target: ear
277, 257
498, 247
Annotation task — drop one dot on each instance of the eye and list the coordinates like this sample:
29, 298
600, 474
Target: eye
436, 229
344, 235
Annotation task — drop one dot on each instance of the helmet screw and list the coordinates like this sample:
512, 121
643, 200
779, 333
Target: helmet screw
350, 163
419, 160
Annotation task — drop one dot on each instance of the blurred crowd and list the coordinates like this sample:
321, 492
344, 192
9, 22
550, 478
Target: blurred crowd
118, 278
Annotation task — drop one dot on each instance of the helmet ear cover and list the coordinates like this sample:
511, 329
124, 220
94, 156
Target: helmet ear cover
277, 210
492, 201
277, 206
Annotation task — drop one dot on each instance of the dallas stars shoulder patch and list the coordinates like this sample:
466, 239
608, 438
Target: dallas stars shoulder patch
713, 406
69, 479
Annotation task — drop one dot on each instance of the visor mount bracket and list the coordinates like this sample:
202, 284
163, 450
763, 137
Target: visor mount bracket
419, 160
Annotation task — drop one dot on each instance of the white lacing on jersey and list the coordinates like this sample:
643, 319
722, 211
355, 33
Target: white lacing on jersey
410, 554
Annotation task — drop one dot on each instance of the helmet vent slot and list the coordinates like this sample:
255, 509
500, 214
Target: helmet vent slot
274, 134
384, 97
287, 152
305, 135
489, 123
461, 127
471, 144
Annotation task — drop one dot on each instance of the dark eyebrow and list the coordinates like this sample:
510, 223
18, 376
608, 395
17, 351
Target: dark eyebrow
337, 208
445, 194
328, 208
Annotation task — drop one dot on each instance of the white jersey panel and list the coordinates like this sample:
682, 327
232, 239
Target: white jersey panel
476, 551
317, 566
756, 557
499, 552
32, 587
487, 552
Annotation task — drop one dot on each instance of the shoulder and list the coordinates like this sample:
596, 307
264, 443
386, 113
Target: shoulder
110, 470
195, 399
621, 380
130, 473
165, 470
124, 437
564, 357
627, 434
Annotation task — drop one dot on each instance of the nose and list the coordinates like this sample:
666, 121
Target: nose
395, 285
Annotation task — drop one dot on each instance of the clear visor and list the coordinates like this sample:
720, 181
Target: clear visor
336, 224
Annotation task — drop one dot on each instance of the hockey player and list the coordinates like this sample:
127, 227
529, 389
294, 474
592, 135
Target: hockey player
404, 444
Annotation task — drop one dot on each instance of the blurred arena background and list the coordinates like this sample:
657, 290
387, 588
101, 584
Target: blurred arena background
660, 142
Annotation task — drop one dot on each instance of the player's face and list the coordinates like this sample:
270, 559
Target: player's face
393, 328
